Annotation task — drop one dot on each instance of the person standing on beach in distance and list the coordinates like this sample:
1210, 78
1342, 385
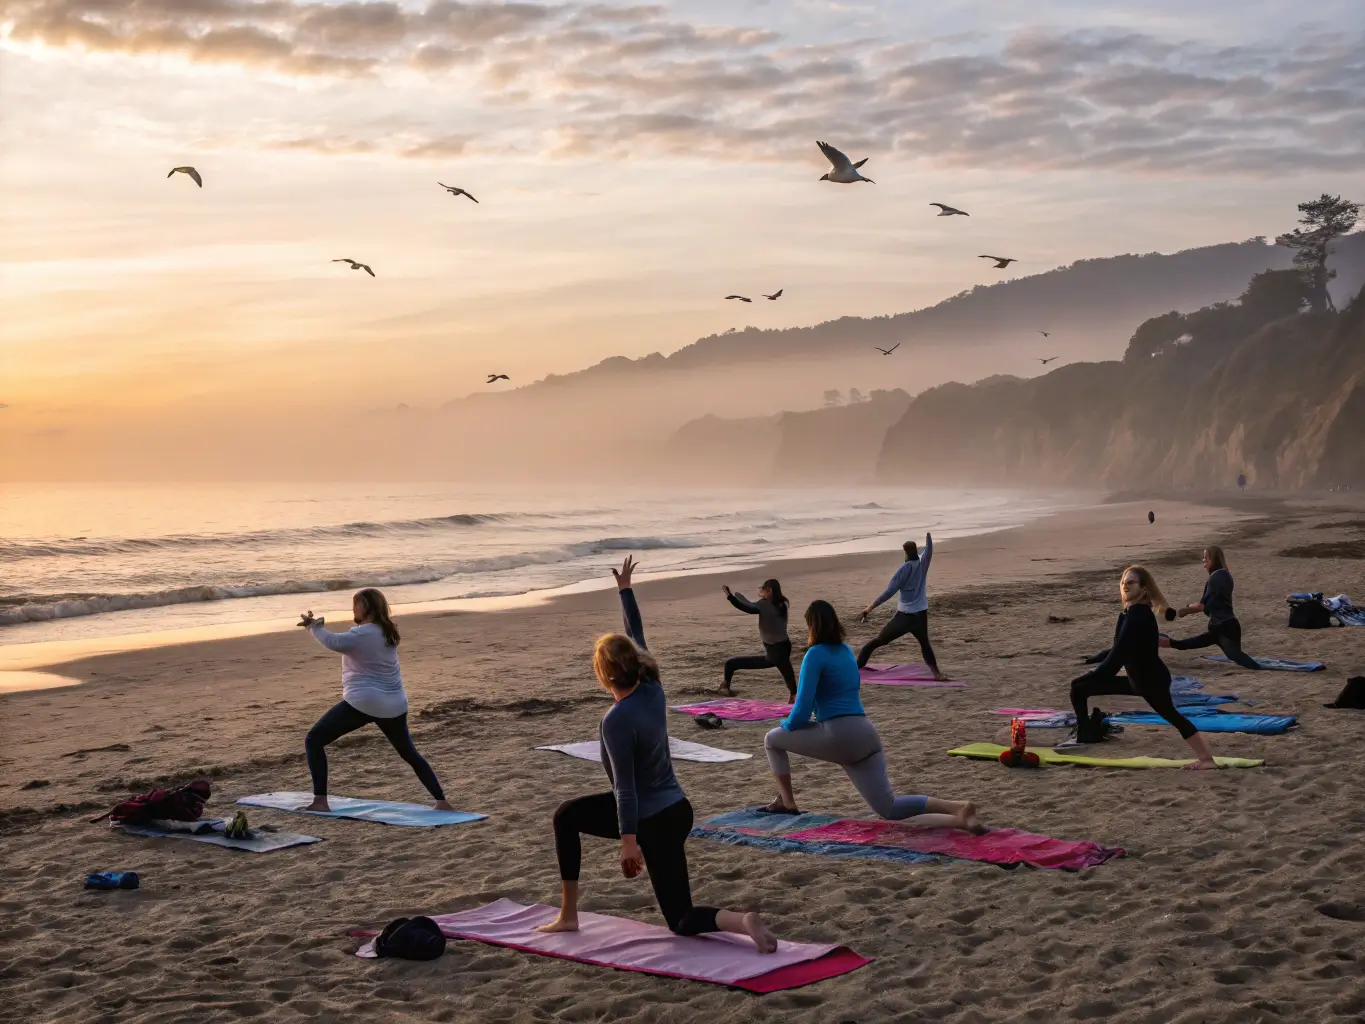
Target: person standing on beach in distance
1216, 602
842, 734
912, 606
371, 691
771, 609
646, 808
1241, 481
1135, 650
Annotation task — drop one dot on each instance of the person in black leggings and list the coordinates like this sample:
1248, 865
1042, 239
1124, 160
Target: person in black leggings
771, 609
1135, 650
1216, 602
912, 606
646, 808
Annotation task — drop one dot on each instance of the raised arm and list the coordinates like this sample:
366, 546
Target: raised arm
630, 613
742, 603
805, 691
927, 553
619, 739
340, 642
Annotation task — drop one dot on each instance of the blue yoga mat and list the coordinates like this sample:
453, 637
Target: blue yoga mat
384, 811
1211, 720
1274, 664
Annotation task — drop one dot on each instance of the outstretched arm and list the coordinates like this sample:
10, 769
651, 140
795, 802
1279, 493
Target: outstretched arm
927, 553
1114, 658
630, 610
341, 642
742, 603
892, 588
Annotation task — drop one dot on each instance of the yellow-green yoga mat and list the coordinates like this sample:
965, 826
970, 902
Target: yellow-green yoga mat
991, 752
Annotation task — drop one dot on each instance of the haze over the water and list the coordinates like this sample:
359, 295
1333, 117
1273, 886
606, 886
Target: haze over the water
633, 165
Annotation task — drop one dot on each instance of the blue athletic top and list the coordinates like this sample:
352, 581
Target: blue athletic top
634, 742
828, 686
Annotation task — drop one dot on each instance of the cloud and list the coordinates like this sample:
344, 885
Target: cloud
606, 80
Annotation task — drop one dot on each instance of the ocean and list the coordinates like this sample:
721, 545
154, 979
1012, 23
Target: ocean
81, 562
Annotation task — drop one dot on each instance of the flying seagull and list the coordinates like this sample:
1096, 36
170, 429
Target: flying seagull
1045, 361
948, 211
498, 376
455, 191
190, 171
1045, 334
775, 295
356, 266
887, 351
845, 172
1001, 262
740, 297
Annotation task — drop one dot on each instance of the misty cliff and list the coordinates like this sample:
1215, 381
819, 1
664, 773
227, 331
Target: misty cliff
1252, 387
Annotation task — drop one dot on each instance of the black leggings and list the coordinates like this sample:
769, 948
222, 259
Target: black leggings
661, 837
900, 624
1227, 635
1157, 695
778, 656
342, 719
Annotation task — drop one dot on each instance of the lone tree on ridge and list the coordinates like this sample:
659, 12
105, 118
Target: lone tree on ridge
1323, 219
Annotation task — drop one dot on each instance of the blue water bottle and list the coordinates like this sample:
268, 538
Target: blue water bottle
112, 880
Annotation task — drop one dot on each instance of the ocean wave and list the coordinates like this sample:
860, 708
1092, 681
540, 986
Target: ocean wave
21, 608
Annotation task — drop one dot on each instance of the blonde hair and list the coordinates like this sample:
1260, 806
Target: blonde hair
1216, 556
619, 663
1150, 591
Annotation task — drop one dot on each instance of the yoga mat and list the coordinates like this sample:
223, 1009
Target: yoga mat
763, 830
902, 675
384, 811
1274, 664
679, 750
260, 842
1208, 719
739, 709
991, 752
628, 945
1005, 846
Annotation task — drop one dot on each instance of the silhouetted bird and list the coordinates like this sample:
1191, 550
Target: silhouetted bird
1047, 360
356, 266
740, 297
1001, 262
1151, 517
775, 295
844, 171
498, 376
190, 171
456, 191
1045, 334
950, 211
887, 351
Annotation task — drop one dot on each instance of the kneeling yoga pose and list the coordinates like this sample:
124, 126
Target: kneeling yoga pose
1216, 602
1135, 650
842, 734
771, 609
646, 808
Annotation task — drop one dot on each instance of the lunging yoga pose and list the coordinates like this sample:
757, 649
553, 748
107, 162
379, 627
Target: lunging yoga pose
771, 609
1216, 602
646, 808
842, 734
1135, 650
371, 691
912, 606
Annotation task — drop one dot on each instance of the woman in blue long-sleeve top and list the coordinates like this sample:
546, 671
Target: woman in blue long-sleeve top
842, 734
646, 808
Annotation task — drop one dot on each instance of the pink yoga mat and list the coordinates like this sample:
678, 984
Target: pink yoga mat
999, 846
739, 709
648, 948
903, 675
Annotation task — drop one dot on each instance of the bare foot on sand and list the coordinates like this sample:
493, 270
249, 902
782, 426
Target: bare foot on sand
1199, 766
778, 807
940, 677
319, 804
560, 924
754, 927
725, 691
442, 805
969, 820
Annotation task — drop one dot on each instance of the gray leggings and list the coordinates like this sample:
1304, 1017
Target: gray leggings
851, 742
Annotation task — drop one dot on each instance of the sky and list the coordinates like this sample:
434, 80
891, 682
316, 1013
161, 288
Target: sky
634, 164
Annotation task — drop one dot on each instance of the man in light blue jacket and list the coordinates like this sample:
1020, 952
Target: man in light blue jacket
912, 605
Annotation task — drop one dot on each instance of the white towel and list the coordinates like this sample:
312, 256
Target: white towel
680, 750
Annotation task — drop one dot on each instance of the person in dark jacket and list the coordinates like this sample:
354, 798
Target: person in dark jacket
1216, 602
771, 609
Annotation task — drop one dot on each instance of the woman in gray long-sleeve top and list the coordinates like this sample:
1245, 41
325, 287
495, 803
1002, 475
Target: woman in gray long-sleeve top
771, 609
646, 808
1216, 602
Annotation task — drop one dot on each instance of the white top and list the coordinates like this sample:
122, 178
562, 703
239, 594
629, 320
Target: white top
371, 681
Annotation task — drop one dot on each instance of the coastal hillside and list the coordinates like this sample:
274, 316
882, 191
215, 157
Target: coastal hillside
1254, 387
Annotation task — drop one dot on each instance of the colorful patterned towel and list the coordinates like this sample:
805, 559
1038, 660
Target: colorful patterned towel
739, 709
903, 675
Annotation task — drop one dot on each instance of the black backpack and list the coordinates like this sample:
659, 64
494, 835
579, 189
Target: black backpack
1309, 613
411, 938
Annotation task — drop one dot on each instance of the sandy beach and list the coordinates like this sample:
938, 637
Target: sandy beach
1240, 900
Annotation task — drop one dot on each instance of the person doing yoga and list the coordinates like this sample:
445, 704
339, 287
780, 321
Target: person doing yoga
646, 808
1216, 602
842, 734
912, 606
771, 609
371, 691
1135, 650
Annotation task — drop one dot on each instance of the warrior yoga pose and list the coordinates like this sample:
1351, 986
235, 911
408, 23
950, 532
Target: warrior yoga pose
912, 606
842, 734
1135, 650
371, 691
1216, 602
771, 609
646, 808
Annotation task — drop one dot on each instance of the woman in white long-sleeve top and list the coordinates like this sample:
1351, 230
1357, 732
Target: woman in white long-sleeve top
909, 585
371, 691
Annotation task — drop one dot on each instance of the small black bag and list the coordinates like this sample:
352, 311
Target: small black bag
1309, 613
411, 938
